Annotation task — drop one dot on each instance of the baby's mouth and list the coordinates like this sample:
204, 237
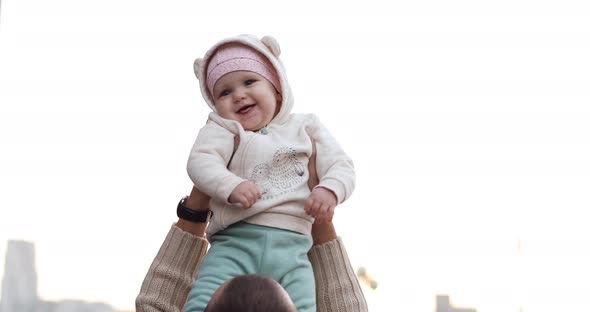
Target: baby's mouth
246, 109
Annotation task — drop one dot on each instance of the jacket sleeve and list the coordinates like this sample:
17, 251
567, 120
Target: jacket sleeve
168, 282
335, 169
208, 160
337, 287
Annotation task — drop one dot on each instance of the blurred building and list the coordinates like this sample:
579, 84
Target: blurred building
443, 304
19, 286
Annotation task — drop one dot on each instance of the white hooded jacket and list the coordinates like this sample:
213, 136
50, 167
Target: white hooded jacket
276, 160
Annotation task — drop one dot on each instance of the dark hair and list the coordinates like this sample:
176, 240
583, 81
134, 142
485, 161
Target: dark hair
251, 293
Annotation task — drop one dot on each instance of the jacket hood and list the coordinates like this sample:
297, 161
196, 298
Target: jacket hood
270, 48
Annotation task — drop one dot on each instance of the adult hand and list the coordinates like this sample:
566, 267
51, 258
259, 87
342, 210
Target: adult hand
321, 202
313, 173
325, 231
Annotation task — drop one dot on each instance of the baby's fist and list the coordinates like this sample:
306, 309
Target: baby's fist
321, 204
246, 193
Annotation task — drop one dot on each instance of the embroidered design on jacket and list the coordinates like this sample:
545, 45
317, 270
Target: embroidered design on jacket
279, 176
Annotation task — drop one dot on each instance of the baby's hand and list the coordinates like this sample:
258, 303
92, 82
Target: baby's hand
321, 204
246, 193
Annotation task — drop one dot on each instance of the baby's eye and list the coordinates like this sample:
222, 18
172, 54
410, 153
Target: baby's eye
224, 93
249, 82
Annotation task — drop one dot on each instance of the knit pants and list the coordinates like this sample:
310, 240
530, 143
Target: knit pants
245, 248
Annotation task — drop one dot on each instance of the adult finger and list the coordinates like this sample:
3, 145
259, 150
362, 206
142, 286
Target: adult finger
311, 167
331, 213
316, 208
310, 207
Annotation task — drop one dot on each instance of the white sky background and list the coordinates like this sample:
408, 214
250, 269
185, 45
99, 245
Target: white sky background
468, 122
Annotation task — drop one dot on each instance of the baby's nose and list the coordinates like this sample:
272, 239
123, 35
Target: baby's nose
239, 95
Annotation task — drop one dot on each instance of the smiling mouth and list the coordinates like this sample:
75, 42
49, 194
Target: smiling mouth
246, 109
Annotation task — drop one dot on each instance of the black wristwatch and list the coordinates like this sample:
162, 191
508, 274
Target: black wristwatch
192, 215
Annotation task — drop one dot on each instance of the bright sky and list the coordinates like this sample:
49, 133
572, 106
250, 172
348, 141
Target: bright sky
468, 122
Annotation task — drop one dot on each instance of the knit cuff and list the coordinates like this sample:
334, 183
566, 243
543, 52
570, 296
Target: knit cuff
171, 274
337, 286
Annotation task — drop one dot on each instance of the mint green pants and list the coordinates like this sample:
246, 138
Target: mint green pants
245, 248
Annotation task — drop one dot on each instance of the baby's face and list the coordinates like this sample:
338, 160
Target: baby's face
247, 98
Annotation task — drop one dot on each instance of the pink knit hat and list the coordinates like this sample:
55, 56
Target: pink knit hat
235, 57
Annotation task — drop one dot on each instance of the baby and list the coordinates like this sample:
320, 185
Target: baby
262, 206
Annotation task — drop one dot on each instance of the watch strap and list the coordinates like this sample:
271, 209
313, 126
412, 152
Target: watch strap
191, 215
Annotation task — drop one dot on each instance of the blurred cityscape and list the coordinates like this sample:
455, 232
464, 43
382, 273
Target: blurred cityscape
19, 287
443, 304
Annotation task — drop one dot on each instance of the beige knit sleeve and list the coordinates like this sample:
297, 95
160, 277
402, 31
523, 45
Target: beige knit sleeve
171, 274
337, 287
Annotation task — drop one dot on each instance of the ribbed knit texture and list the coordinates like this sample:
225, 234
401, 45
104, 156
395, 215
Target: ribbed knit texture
167, 284
172, 272
337, 287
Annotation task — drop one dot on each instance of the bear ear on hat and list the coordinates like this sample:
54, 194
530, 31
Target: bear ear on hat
272, 44
198, 64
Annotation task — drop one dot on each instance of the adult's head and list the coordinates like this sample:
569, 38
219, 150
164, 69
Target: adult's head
250, 293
